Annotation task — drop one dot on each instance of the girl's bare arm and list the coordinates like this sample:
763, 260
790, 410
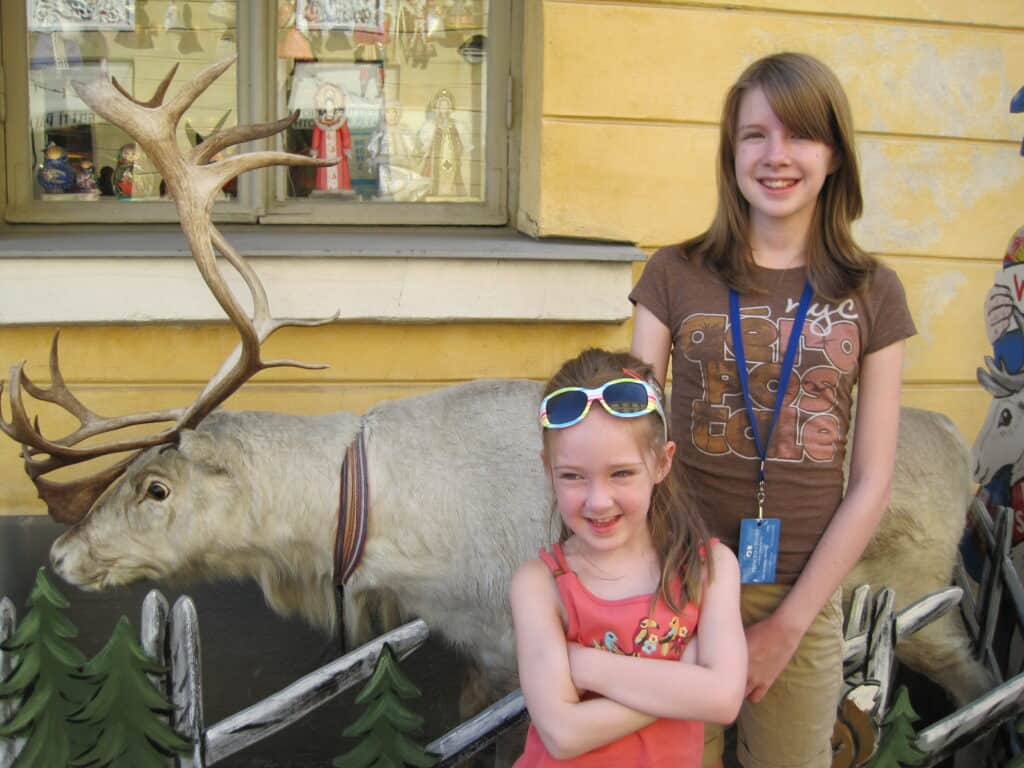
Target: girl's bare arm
567, 726
710, 689
773, 641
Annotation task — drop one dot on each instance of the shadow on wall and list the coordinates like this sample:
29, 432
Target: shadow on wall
248, 652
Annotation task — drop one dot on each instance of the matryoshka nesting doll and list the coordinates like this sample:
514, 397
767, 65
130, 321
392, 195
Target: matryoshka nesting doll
124, 173
56, 174
85, 178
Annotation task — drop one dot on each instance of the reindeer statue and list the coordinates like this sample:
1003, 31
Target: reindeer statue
442, 494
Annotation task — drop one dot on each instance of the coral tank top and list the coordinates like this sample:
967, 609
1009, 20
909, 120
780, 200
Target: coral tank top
624, 626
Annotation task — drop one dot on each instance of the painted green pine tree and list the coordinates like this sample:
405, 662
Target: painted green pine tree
46, 680
898, 747
126, 708
387, 726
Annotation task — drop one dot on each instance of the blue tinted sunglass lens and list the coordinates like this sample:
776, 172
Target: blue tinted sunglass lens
625, 396
566, 407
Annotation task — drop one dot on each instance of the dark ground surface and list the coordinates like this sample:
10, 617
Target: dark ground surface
248, 653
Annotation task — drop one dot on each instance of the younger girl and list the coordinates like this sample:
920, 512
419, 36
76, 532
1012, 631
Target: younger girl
598, 615
777, 287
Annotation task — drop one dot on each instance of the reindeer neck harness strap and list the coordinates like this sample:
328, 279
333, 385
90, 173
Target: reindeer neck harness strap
353, 511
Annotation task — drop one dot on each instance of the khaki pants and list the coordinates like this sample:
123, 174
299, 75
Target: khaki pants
791, 727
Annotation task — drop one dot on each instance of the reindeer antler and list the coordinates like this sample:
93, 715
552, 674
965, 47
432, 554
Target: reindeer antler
193, 179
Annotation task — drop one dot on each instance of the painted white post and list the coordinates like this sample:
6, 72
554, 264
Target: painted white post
908, 621
465, 740
969, 723
992, 587
9, 748
881, 649
186, 680
153, 638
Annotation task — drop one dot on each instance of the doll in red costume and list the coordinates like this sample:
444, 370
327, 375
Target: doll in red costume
332, 139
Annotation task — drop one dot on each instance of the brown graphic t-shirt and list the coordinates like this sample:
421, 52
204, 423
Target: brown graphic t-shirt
716, 450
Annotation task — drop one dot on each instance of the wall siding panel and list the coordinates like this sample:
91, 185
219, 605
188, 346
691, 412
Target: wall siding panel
996, 13
676, 64
939, 198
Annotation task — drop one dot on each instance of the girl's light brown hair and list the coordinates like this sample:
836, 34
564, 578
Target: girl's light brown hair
809, 100
678, 534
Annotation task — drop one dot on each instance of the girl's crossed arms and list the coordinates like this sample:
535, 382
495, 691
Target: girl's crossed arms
706, 685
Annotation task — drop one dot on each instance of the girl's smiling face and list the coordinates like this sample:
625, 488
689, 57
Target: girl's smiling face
603, 474
778, 172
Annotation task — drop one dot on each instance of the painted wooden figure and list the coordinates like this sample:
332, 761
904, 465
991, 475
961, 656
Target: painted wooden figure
998, 453
124, 173
442, 161
56, 174
85, 178
332, 139
392, 149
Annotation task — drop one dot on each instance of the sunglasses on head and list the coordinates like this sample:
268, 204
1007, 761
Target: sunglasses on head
626, 398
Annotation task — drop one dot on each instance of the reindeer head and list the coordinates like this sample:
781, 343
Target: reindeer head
193, 180
146, 527
999, 441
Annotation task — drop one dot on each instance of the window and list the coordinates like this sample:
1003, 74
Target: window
408, 95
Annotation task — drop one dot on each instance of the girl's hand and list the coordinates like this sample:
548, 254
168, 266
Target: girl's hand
577, 665
769, 649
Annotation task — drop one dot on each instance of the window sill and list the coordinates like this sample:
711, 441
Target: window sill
90, 274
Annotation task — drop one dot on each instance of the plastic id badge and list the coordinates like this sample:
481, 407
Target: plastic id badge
759, 549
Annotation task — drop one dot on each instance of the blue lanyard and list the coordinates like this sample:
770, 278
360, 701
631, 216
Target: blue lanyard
784, 376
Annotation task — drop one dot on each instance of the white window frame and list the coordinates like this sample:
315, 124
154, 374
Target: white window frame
257, 102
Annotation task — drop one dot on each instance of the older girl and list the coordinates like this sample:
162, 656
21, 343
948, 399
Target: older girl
771, 317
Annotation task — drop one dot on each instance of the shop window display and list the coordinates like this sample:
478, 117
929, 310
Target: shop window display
412, 81
396, 90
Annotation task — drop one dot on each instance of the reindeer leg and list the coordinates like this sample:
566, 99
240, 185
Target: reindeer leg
942, 652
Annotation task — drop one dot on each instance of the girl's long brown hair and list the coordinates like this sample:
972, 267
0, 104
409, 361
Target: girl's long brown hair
679, 535
809, 100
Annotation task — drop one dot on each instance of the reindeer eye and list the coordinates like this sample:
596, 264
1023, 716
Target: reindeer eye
1005, 417
158, 491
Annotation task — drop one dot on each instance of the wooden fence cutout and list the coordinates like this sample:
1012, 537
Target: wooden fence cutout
971, 722
981, 614
464, 741
307, 693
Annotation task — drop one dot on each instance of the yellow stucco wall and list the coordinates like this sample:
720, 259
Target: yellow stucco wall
626, 130
127, 368
618, 130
